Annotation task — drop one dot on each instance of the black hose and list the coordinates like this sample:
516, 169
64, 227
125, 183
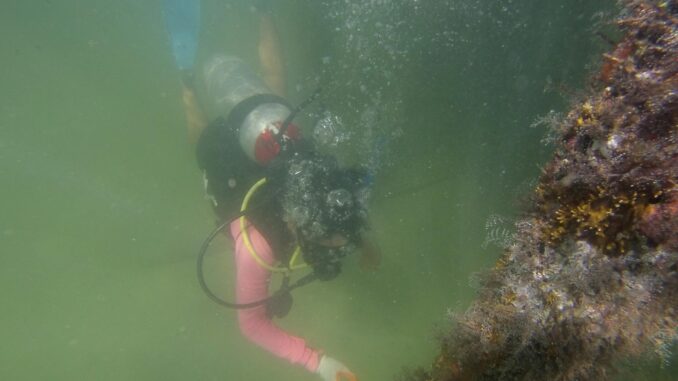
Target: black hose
293, 114
201, 277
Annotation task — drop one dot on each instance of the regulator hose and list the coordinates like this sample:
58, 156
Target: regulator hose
286, 123
283, 292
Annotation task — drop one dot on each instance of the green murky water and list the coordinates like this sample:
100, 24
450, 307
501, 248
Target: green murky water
102, 207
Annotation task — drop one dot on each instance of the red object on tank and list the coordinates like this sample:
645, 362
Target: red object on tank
266, 148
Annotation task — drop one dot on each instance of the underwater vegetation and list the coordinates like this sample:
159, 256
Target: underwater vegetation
591, 275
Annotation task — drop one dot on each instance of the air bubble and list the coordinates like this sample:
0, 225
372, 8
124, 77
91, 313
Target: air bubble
329, 131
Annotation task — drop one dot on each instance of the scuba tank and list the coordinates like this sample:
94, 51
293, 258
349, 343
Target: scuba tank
230, 81
254, 112
235, 148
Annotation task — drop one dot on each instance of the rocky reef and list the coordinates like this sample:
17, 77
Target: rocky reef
592, 274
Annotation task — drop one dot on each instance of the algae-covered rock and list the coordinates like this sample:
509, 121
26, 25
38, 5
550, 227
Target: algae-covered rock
592, 274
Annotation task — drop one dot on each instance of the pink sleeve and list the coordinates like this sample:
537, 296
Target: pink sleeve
252, 285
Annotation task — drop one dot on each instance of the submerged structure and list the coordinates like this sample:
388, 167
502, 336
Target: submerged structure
592, 275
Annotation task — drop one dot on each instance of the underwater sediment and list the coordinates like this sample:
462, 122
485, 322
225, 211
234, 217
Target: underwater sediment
591, 277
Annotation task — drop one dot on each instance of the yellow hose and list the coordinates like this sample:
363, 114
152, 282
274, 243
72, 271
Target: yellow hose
248, 242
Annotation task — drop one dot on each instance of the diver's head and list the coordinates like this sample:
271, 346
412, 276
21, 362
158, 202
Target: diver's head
325, 206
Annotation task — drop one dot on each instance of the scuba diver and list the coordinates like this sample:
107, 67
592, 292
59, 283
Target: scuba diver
279, 199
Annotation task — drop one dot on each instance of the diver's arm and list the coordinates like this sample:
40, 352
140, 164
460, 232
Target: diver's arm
270, 56
252, 285
195, 117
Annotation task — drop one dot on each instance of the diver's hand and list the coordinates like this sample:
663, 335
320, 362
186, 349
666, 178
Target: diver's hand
330, 369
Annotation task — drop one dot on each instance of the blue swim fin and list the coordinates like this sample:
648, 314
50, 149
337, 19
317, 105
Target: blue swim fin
182, 18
